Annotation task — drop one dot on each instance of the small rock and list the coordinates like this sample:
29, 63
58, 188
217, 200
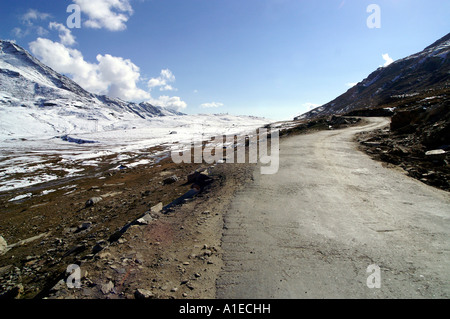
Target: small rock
170, 180
143, 294
207, 253
197, 275
435, 152
104, 255
93, 201
189, 285
145, 220
107, 288
157, 208
84, 226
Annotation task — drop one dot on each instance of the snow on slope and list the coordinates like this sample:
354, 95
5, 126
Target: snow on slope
38, 106
35, 100
27, 162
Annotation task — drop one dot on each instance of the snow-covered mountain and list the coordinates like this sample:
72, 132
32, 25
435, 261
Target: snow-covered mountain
36, 100
417, 73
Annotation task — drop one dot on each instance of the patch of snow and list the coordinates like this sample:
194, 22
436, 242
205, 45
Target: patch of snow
20, 197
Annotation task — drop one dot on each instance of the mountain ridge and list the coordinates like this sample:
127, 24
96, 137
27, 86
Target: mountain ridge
414, 74
32, 91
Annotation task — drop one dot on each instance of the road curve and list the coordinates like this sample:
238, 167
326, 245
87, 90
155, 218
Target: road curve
313, 229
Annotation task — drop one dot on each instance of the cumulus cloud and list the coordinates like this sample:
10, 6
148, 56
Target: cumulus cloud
351, 84
388, 60
109, 14
112, 76
65, 35
173, 103
122, 76
163, 81
211, 105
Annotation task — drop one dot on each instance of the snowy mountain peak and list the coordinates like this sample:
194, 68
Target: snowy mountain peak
36, 100
16, 59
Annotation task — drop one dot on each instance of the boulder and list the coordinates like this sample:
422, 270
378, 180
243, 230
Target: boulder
3, 246
201, 181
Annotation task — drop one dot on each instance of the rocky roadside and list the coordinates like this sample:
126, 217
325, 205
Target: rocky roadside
417, 141
170, 255
113, 228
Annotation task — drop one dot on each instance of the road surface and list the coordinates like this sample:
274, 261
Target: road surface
333, 223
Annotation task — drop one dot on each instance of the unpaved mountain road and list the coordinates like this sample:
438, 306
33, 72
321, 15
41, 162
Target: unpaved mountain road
312, 229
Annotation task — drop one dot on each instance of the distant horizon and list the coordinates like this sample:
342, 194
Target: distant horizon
272, 59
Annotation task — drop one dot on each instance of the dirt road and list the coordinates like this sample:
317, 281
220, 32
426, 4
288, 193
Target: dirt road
313, 229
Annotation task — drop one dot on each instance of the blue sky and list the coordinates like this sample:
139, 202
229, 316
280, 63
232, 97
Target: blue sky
270, 58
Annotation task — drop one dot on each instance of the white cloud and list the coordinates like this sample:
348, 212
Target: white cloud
211, 105
33, 15
65, 35
311, 106
166, 76
388, 60
112, 76
28, 21
41, 31
20, 33
173, 103
351, 84
121, 76
109, 14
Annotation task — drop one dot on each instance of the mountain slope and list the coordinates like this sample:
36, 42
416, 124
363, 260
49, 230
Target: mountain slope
34, 99
429, 69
